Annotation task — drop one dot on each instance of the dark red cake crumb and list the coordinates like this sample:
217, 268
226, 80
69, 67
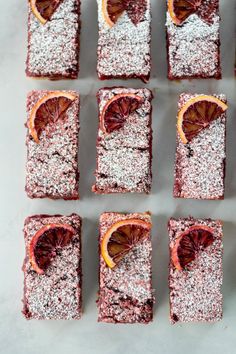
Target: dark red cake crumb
56, 294
195, 291
125, 292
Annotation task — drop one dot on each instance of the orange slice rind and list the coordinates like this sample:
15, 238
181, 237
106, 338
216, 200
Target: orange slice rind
117, 109
44, 243
121, 237
197, 114
57, 96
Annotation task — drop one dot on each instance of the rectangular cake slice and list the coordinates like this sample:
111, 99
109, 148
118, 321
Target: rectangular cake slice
200, 163
124, 143
193, 45
52, 267
125, 290
53, 40
124, 40
195, 270
52, 144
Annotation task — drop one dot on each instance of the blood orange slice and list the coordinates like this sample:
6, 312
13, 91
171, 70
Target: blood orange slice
187, 245
112, 10
121, 238
117, 109
197, 114
45, 243
44, 9
180, 10
50, 108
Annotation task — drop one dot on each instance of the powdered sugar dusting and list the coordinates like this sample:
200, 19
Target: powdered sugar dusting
57, 293
126, 293
195, 292
53, 48
124, 49
52, 165
200, 164
124, 156
193, 47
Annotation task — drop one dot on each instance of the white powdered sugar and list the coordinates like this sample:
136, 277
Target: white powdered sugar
193, 47
124, 49
53, 48
199, 167
195, 292
124, 156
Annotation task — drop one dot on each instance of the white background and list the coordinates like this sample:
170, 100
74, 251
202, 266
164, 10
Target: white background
87, 336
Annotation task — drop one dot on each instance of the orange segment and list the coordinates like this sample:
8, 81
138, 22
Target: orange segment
112, 10
189, 244
121, 238
50, 108
44, 9
117, 109
45, 243
197, 114
180, 10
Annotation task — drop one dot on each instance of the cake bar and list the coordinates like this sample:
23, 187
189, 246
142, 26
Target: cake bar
53, 46
52, 162
193, 46
124, 146
200, 164
125, 291
124, 46
56, 293
195, 290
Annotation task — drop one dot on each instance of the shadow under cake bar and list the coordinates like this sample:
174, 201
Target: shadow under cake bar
201, 147
125, 278
124, 143
124, 39
52, 267
53, 39
52, 145
195, 270
193, 39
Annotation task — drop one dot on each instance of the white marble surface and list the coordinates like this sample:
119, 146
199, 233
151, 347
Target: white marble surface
87, 336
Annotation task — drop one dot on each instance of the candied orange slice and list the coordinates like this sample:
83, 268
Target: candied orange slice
45, 243
112, 10
180, 10
44, 9
117, 109
197, 114
121, 238
189, 244
50, 108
